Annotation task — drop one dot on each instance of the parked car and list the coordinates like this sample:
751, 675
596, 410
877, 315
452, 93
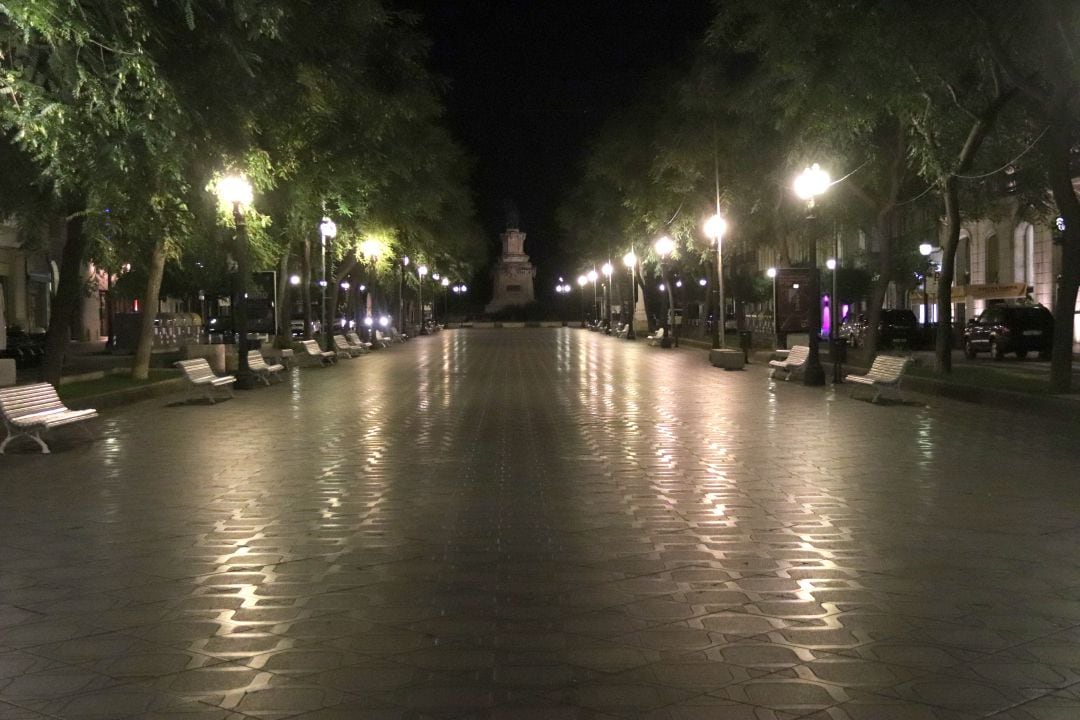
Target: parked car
1002, 329
896, 327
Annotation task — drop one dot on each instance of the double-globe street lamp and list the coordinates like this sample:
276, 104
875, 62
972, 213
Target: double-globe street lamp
809, 185
630, 261
664, 246
563, 289
235, 191
715, 227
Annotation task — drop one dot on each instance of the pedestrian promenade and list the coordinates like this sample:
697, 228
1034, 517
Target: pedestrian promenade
543, 523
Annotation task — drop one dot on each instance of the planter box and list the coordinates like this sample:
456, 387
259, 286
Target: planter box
727, 359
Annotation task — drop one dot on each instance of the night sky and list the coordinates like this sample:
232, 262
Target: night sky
532, 80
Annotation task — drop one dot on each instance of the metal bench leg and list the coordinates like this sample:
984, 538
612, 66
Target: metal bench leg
35, 436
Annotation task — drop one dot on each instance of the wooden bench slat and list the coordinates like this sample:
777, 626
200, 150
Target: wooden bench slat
197, 371
885, 372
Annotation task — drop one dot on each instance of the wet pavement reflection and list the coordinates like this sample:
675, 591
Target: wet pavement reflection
543, 523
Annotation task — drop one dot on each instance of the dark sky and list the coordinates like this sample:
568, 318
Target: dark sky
532, 80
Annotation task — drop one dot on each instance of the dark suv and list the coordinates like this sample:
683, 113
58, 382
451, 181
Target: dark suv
1016, 329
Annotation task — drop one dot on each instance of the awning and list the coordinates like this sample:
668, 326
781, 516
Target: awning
990, 291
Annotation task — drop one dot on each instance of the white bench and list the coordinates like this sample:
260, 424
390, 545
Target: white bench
262, 370
325, 357
623, 331
793, 364
344, 348
657, 337
198, 373
884, 374
356, 342
31, 410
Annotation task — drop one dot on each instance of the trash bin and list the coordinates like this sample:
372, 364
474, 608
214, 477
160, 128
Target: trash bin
746, 342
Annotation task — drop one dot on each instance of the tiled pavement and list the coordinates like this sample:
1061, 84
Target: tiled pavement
543, 524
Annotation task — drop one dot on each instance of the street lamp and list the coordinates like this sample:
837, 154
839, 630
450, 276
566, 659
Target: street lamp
810, 184
592, 275
630, 261
771, 274
421, 272
328, 231
563, 289
664, 246
607, 270
582, 281
404, 263
715, 227
834, 324
370, 250
925, 249
235, 191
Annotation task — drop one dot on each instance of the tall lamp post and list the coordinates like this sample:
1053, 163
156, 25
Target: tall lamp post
630, 261
834, 325
421, 272
715, 227
771, 274
664, 247
810, 184
563, 289
592, 275
401, 292
607, 270
582, 281
925, 249
236, 192
328, 231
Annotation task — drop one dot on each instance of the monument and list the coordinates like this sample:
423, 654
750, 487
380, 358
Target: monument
512, 277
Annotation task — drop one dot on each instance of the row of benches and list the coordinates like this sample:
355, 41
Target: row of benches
32, 410
884, 374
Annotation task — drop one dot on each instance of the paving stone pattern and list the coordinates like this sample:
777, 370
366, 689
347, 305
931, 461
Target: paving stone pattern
543, 524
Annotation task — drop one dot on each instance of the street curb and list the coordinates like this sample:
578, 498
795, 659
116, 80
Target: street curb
118, 398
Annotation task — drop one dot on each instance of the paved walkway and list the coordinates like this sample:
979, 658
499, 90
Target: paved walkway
543, 524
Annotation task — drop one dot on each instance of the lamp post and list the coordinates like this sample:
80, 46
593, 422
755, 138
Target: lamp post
235, 191
401, 291
715, 227
834, 324
421, 272
328, 231
925, 249
607, 270
630, 261
811, 183
370, 250
563, 289
582, 281
664, 246
771, 274
592, 275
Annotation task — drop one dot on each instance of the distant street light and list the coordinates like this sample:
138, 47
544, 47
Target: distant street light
235, 191
809, 185
925, 249
630, 261
664, 246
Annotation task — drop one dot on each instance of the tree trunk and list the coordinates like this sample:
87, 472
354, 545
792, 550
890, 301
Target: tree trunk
943, 338
1057, 166
140, 367
66, 300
